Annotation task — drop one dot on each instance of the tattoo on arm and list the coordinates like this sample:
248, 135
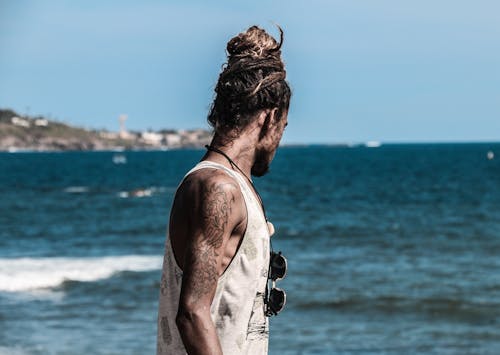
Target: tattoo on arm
216, 214
202, 256
203, 272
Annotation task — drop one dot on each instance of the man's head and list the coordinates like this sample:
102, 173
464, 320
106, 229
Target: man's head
251, 88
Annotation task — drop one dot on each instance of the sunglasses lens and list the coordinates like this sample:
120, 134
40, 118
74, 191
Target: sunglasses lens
278, 266
277, 300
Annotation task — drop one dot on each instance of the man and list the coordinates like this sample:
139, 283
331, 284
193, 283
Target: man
215, 269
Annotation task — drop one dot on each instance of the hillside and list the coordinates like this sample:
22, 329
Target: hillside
39, 134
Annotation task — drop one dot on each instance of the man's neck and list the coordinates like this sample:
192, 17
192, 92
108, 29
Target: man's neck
240, 150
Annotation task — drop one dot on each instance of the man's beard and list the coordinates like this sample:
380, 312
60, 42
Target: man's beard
262, 163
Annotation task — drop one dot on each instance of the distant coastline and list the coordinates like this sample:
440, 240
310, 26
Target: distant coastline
23, 133
37, 133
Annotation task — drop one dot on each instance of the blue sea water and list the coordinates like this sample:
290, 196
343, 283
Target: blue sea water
391, 250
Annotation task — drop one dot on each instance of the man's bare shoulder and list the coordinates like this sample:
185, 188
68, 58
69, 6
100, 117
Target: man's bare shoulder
207, 187
209, 179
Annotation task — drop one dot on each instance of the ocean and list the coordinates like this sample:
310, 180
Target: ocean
391, 250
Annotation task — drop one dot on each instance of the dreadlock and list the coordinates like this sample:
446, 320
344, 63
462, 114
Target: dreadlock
252, 79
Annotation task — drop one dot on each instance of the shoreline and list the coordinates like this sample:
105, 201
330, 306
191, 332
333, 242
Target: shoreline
360, 145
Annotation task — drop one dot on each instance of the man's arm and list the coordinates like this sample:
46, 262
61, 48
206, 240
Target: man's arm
215, 213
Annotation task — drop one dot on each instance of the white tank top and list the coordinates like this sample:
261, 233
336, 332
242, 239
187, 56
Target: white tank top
238, 306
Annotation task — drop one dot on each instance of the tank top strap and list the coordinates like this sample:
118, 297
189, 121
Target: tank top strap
234, 174
248, 194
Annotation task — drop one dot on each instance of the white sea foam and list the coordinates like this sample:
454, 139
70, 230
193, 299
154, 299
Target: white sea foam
76, 189
146, 192
26, 274
4, 350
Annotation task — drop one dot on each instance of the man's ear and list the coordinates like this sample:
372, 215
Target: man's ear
268, 116
272, 115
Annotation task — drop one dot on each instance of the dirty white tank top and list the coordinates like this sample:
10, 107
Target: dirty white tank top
238, 306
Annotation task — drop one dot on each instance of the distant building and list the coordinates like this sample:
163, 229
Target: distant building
152, 138
41, 122
173, 139
108, 135
20, 122
124, 134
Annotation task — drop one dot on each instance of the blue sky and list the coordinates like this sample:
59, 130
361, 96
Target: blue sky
394, 71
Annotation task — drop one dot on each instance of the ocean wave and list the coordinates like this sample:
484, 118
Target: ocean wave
396, 302
27, 274
463, 308
144, 192
137, 192
4, 350
76, 189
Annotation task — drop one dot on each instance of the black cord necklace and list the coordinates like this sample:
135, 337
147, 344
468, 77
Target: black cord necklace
234, 165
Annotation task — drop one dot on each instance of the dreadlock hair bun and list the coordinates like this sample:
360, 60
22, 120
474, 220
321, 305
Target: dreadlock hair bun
254, 42
252, 79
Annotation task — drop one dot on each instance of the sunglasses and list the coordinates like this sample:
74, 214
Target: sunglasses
275, 297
